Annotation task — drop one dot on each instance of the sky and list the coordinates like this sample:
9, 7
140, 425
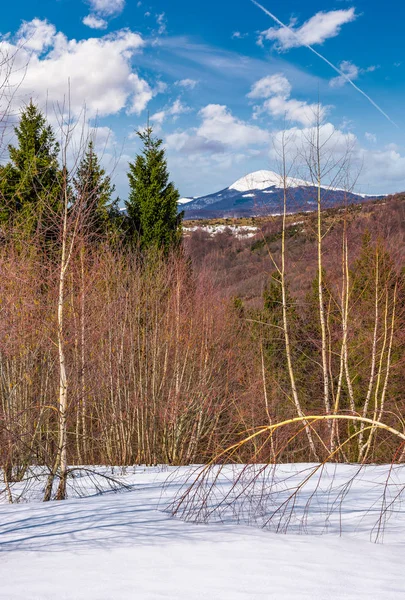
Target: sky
219, 80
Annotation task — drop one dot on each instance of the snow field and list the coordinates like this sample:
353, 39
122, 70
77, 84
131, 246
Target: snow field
127, 546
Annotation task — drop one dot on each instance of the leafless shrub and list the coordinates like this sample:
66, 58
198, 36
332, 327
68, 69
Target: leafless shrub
294, 497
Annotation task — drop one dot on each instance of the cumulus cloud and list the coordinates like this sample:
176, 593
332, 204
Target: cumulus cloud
378, 170
316, 30
331, 139
275, 90
220, 125
99, 69
218, 132
140, 94
107, 8
102, 9
193, 144
294, 110
272, 85
298, 143
36, 35
382, 169
95, 22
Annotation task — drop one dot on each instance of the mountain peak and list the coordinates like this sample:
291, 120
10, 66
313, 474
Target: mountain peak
258, 180
261, 180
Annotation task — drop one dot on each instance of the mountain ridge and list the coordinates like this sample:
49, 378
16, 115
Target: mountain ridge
262, 193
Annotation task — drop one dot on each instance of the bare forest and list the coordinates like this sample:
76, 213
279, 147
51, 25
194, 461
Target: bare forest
286, 347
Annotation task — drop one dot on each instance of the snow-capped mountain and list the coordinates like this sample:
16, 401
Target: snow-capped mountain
262, 180
261, 193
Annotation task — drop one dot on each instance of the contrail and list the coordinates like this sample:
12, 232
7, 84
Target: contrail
341, 73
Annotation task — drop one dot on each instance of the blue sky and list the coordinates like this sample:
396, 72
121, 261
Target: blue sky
219, 80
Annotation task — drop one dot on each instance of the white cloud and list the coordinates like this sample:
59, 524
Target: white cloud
102, 137
205, 173
107, 8
95, 22
101, 9
332, 140
159, 117
177, 141
383, 169
189, 84
337, 146
160, 88
272, 85
140, 94
351, 71
178, 108
161, 21
219, 133
294, 110
316, 30
378, 171
237, 35
99, 70
174, 111
276, 90
370, 137
36, 35
219, 125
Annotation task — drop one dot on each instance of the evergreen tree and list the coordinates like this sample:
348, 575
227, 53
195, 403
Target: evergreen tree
374, 278
93, 191
30, 183
152, 205
273, 315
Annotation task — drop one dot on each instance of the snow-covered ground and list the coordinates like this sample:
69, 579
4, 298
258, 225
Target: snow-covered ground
125, 546
239, 231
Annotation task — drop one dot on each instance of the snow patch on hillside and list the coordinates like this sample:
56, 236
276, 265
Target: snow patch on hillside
239, 231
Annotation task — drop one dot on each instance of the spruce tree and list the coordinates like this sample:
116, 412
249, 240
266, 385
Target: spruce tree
30, 183
152, 205
93, 191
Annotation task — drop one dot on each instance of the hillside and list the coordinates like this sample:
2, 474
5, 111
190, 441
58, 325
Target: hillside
241, 265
